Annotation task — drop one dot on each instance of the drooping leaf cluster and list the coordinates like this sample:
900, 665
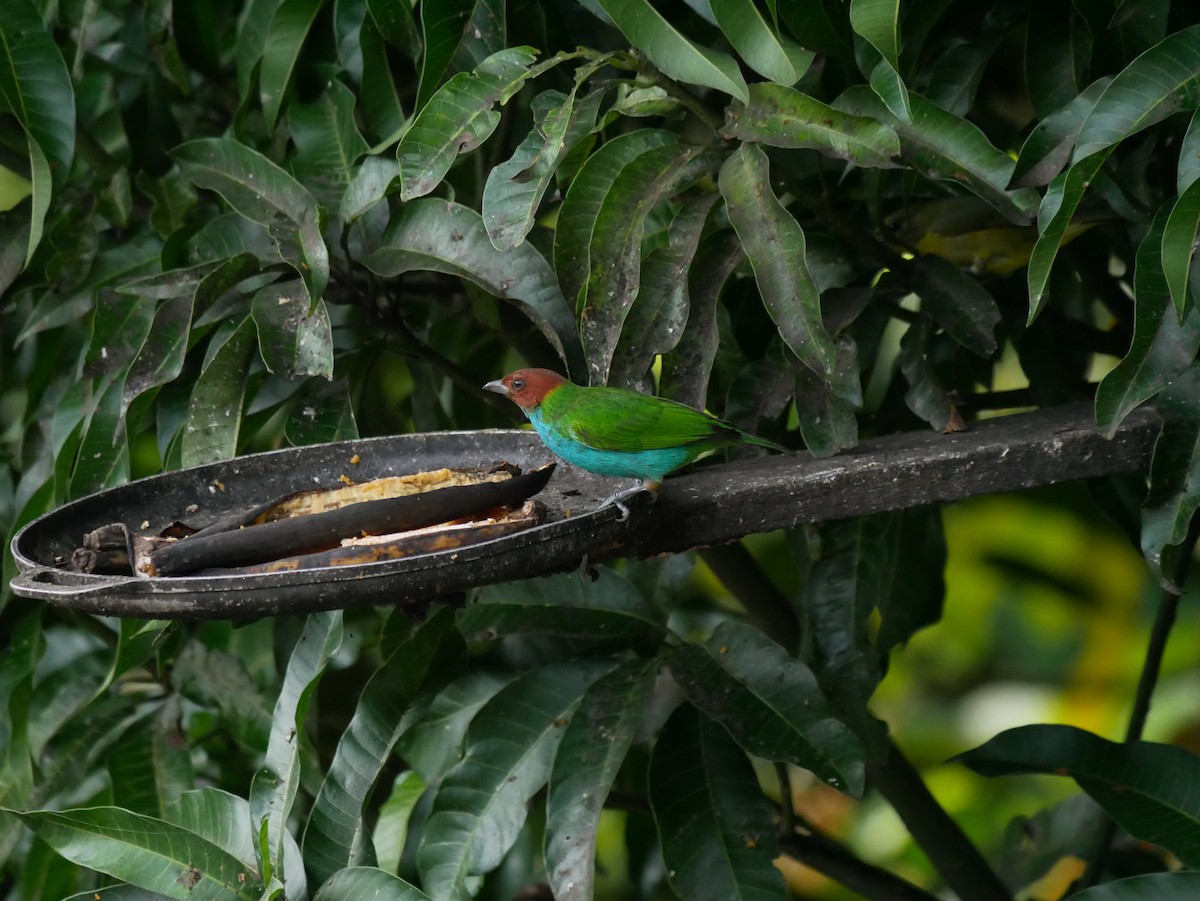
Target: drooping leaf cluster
232, 225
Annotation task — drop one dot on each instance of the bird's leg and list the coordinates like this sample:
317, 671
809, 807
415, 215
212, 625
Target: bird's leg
618, 499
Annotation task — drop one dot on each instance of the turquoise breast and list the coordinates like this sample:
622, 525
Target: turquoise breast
645, 464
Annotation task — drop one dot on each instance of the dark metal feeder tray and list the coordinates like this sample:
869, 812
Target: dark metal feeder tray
574, 527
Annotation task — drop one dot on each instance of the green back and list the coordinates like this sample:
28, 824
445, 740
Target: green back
617, 419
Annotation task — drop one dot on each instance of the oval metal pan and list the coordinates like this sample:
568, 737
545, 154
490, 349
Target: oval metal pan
574, 529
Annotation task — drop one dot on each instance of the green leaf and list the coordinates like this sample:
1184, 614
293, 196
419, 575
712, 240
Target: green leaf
214, 411
1162, 345
1162, 81
589, 757
263, 193
615, 251
686, 369
566, 606
253, 26
41, 185
1148, 887
1047, 150
766, 51
289, 29
443, 29
827, 421
436, 744
104, 451
713, 821
945, 147
1174, 494
927, 395
383, 113
576, 224
914, 583
482, 803
294, 337
780, 116
328, 143
273, 791
391, 827
1054, 218
397, 25
877, 22
1151, 790
1188, 171
658, 319
35, 85
1058, 54
672, 53
958, 303
151, 765
369, 185
770, 702
435, 235
324, 413
1179, 243
515, 188
355, 883
153, 854
458, 118
335, 837
775, 244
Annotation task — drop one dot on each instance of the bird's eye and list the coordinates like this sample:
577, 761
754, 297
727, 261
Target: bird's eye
518, 385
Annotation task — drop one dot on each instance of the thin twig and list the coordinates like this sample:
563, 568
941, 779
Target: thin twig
827, 856
766, 606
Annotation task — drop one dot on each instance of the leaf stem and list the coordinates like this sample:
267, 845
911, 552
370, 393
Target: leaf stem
958, 861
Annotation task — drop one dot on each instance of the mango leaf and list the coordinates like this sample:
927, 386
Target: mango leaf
390, 834
827, 421
658, 319
482, 803
958, 303
564, 605
436, 744
686, 369
913, 586
926, 395
780, 116
1162, 81
844, 588
615, 252
151, 766
1180, 886
262, 192
273, 790
324, 413
942, 146
286, 35
443, 29
877, 22
775, 244
435, 235
151, 853
294, 336
104, 451
1047, 150
1179, 244
328, 143
1054, 218
383, 113
580, 208
1058, 55
672, 53
765, 51
335, 836
1162, 346
717, 837
515, 188
253, 25
214, 411
459, 117
367, 882
591, 753
770, 702
35, 84
397, 25
1188, 171
1151, 790
1174, 494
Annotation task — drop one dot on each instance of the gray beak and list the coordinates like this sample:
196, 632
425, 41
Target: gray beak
498, 386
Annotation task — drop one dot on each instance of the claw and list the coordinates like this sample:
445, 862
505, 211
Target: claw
617, 499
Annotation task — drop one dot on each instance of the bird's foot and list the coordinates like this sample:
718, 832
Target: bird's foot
618, 499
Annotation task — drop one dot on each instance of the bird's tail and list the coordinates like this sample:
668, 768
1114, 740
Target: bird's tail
748, 438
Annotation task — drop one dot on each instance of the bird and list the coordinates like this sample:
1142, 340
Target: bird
618, 432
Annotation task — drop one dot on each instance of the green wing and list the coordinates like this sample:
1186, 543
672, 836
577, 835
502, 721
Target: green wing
616, 419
